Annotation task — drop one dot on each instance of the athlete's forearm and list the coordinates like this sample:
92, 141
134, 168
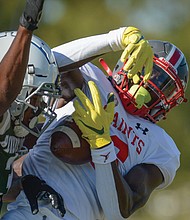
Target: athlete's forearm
14, 190
111, 189
13, 68
16, 185
88, 47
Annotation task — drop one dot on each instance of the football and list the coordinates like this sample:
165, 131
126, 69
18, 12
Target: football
68, 145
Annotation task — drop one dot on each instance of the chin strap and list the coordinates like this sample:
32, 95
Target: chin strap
105, 66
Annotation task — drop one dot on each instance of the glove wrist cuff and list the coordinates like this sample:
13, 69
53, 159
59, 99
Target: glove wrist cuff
28, 23
100, 142
104, 155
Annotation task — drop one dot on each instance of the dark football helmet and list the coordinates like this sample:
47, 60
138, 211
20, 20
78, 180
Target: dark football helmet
166, 86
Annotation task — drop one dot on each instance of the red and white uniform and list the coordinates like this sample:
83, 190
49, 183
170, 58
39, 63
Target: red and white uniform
136, 141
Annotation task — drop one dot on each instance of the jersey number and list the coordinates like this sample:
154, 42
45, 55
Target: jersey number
123, 148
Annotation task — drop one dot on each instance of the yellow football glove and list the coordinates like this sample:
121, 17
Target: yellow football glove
93, 119
141, 95
139, 54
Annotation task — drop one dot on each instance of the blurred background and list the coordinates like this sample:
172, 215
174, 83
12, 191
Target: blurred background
66, 20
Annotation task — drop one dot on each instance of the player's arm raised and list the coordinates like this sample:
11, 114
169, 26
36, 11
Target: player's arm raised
14, 63
136, 51
119, 196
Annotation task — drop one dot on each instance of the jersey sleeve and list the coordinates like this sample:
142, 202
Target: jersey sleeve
167, 158
87, 47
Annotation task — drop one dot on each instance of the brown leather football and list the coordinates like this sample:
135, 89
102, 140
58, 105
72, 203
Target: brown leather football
68, 145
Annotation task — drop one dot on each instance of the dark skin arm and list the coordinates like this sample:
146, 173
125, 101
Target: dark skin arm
16, 185
14, 63
14, 191
12, 72
13, 68
135, 188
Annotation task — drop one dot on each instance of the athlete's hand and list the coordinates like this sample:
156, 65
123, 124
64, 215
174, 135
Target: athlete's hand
93, 119
138, 54
34, 188
31, 14
141, 95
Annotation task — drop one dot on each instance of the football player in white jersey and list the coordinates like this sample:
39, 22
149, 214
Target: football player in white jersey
141, 156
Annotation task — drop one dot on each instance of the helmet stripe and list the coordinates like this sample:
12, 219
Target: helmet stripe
176, 58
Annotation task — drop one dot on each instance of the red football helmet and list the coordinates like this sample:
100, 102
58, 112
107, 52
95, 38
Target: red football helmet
166, 86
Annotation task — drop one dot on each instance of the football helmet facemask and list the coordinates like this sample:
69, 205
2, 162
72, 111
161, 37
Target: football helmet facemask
163, 91
40, 87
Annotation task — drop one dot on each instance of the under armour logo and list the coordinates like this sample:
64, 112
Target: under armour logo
138, 126
106, 156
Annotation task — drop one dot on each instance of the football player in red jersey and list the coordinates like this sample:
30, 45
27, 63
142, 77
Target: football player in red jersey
131, 155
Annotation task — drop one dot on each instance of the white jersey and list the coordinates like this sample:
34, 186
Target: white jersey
136, 141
